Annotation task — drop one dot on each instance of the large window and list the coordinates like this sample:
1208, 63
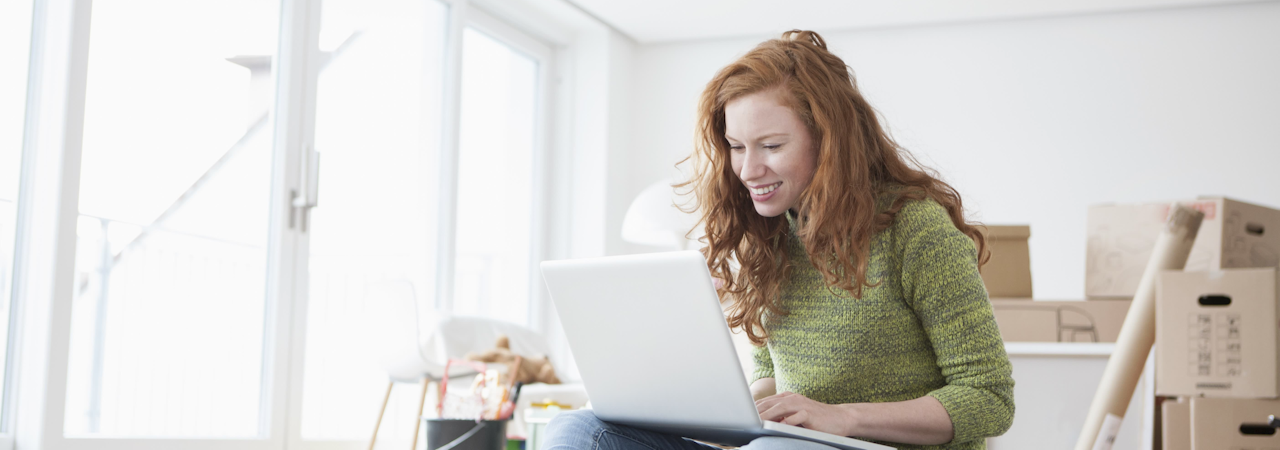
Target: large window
170, 290
15, 41
244, 172
496, 190
378, 117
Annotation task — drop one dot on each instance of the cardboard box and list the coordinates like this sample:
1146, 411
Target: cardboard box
1059, 321
1120, 238
1175, 424
1216, 333
1233, 424
1008, 273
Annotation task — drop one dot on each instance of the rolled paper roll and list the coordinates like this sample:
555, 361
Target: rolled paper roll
1138, 332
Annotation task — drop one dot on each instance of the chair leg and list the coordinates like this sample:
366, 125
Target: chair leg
382, 411
417, 425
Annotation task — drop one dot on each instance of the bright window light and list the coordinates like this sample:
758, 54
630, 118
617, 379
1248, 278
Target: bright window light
170, 292
378, 131
495, 180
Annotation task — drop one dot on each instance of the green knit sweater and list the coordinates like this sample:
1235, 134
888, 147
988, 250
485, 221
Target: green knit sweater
926, 329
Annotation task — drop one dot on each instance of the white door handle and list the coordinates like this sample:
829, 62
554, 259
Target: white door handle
310, 182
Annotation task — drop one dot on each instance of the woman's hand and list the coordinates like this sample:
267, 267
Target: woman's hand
798, 410
922, 421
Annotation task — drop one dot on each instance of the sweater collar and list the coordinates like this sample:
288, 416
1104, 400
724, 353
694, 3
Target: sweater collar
791, 222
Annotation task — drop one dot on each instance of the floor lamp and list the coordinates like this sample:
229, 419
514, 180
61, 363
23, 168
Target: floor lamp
653, 218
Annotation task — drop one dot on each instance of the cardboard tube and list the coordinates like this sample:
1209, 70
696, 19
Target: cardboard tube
1138, 333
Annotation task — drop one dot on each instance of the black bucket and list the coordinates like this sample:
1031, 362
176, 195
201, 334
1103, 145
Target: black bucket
491, 435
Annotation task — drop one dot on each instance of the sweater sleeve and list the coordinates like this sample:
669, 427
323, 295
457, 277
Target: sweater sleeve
763, 363
940, 281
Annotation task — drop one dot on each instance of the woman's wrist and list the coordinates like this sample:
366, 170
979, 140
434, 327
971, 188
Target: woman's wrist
923, 421
853, 414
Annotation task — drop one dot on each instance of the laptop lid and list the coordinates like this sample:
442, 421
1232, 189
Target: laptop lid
650, 340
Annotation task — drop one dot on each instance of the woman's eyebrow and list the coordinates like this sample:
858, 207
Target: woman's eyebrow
760, 138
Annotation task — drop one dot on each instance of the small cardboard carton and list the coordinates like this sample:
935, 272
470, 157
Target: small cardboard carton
1216, 334
1120, 238
1023, 320
1175, 424
1008, 273
1233, 424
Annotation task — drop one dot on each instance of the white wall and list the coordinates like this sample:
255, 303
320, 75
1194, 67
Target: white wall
1031, 120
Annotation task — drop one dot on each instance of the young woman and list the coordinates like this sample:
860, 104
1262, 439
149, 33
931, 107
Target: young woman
858, 278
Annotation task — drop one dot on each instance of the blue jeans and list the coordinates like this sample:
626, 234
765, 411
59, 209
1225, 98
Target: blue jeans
581, 430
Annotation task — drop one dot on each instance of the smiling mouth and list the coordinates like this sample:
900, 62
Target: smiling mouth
766, 189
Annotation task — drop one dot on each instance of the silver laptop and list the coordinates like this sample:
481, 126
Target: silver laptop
655, 352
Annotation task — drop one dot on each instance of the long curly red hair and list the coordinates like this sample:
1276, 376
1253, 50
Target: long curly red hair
837, 215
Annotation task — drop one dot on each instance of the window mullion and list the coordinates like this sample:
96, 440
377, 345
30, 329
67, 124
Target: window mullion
48, 221
23, 200
450, 131
542, 163
295, 135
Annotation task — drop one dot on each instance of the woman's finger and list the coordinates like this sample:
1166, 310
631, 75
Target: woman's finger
765, 403
775, 411
783, 408
771, 400
799, 419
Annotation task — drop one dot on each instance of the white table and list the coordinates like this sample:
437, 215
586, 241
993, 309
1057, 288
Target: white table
1055, 383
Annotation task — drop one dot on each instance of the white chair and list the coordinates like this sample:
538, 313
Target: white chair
414, 346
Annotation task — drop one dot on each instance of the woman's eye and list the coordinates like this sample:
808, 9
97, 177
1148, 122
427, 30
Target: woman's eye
736, 148
772, 146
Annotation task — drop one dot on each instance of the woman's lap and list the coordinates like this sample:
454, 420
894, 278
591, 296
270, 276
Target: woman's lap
581, 430
782, 443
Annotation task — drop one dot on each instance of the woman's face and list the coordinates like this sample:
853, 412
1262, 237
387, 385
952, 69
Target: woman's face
770, 150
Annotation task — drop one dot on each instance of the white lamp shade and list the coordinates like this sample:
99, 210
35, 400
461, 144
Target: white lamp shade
653, 219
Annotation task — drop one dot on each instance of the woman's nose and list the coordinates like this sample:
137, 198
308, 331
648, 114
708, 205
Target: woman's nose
752, 166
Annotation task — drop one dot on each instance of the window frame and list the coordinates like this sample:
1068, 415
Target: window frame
70, 20
49, 199
469, 16
461, 14
8, 393
300, 278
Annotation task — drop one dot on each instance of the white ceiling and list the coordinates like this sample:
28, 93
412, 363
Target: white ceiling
652, 21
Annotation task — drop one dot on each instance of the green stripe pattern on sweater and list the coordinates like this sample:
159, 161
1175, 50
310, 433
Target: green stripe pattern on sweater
925, 329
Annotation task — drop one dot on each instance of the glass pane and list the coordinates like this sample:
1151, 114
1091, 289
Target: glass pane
495, 180
168, 316
377, 129
15, 42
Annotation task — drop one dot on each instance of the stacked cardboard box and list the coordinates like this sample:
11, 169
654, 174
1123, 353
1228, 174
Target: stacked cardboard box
1233, 424
1176, 422
1120, 238
1021, 320
1008, 273
1008, 279
1217, 322
1216, 334
1217, 349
